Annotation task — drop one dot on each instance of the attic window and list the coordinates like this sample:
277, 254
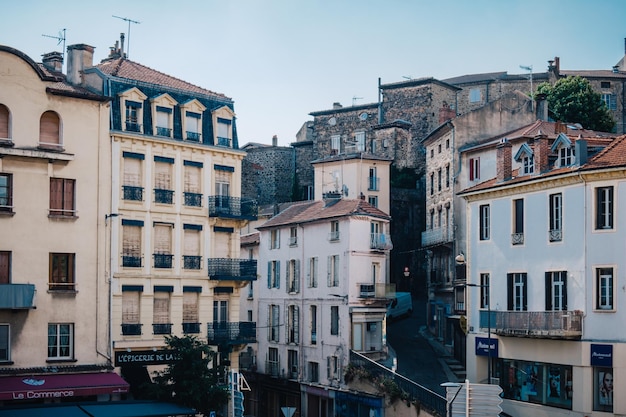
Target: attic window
566, 156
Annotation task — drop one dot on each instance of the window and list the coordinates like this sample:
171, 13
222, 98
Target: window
62, 201
5, 267
163, 121
474, 169
373, 200
133, 111
192, 190
517, 292
190, 310
292, 363
335, 143
133, 179
163, 245
273, 362
6, 192
193, 126
334, 230
432, 183
222, 190
314, 372
50, 130
447, 143
220, 311
484, 290
61, 272
333, 271
603, 389
604, 289
5, 123
275, 239
192, 258
439, 180
163, 189
556, 291
161, 312
556, 208
60, 341
610, 101
131, 244
224, 132
605, 84
604, 208
474, 95
293, 236
359, 138
5, 343
485, 233
528, 164
313, 324
250, 290
373, 180
432, 218
250, 316
334, 320
439, 148
312, 272
293, 276
432, 153
448, 176
131, 301
566, 156
332, 367
273, 323
273, 274
293, 324
518, 222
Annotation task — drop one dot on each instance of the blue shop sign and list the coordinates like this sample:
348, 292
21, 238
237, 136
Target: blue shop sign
482, 344
602, 355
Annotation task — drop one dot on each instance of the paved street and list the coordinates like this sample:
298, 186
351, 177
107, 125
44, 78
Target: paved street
416, 358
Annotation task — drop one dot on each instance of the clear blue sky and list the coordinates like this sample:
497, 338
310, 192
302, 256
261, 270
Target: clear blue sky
279, 60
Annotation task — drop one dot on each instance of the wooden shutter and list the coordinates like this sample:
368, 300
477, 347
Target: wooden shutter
192, 179
163, 239
296, 324
132, 172
548, 290
161, 312
525, 292
5, 267
162, 176
297, 275
329, 272
269, 274
49, 128
4, 122
132, 241
130, 307
190, 307
192, 242
56, 195
510, 291
277, 274
68, 195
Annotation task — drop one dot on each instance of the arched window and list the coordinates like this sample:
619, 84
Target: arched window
50, 129
4, 122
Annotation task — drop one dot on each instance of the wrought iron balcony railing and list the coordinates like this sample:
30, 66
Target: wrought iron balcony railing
130, 261
131, 329
233, 207
272, 368
231, 333
232, 269
535, 324
163, 196
223, 141
380, 241
517, 238
193, 136
163, 260
132, 193
164, 131
192, 262
192, 199
437, 235
376, 290
556, 235
133, 127
191, 328
162, 328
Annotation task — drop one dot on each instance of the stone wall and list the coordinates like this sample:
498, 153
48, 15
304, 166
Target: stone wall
268, 174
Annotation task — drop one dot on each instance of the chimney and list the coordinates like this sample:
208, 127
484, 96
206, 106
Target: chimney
542, 106
446, 113
557, 64
541, 150
122, 37
53, 61
560, 127
337, 105
79, 57
504, 160
580, 149
274, 140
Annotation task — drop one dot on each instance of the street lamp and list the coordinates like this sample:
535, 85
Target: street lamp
449, 403
488, 326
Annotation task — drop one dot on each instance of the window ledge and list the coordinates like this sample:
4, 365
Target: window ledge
61, 217
61, 360
599, 310
7, 213
7, 363
63, 292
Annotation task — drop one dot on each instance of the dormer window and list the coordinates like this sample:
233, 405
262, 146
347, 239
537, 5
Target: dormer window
526, 157
131, 103
566, 156
564, 148
528, 163
192, 112
163, 115
223, 120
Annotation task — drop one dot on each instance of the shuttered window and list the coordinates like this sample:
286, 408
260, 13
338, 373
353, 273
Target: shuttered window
4, 122
62, 196
192, 179
49, 128
162, 176
5, 267
162, 238
190, 307
130, 307
131, 245
192, 242
132, 172
161, 312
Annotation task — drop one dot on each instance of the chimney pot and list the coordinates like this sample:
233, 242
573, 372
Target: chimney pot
79, 57
53, 61
337, 105
274, 140
504, 160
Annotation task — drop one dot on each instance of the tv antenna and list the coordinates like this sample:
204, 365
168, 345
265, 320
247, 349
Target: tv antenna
355, 98
129, 22
60, 38
529, 68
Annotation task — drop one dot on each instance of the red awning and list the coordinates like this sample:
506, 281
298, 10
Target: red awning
51, 386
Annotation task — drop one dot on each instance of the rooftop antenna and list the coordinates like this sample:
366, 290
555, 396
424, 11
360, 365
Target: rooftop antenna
530, 75
407, 77
60, 38
354, 99
129, 22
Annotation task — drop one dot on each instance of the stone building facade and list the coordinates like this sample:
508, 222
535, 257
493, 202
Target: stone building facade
268, 173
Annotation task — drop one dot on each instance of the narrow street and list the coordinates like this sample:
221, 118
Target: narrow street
416, 358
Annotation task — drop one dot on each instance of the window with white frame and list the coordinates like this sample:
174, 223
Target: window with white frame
5, 343
484, 290
293, 276
556, 214
474, 95
474, 169
273, 323
517, 290
333, 270
163, 181
485, 232
566, 156
332, 368
334, 320
191, 315
312, 271
335, 143
275, 239
293, 236
163, 245
192, 237
224, 132
161, 312
334, 230
293, 324
132, 187
192, 191
359, 138
528, 164
163, 121
556, 291
131, 302
604, 208
273, 274
604, 289
313, 313
220, 311
610, 101
193, 126
60, 341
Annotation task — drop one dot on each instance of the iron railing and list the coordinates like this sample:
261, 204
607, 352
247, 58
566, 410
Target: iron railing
191, 328
223, 141
130, 261
380, 241
232, 269
535, 324
163, 196
272, 368
133, 127
162, 328
376, 290
233, 207
192, 199
555, 235
163, 260
231, 333
164, 131
132, 193
131, 329
517, 238
437, 235
193, 136
192, 262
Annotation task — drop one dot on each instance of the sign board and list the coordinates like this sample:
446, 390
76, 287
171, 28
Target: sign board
144, 357
482, 344
288, 411
474, 400
602, 355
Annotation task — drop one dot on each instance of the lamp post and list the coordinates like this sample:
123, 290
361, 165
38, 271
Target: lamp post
488, 326
447, 385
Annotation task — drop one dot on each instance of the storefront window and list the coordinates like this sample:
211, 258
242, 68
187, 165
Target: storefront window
603, 389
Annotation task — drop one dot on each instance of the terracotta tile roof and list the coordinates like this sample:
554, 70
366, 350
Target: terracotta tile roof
125, 68
312, 211
614, 155
594, 73
65, 89
251, 239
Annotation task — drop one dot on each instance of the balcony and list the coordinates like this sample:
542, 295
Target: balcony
377, 290
231, 333
129, 261
517, 238
17, 296
163, 196
162, 328
132, 193
163, 260
191, 328
272, 368
373, 184
192, 262
232, 269
535, 324
380, 241
192, 199
193, 136
334, 236
164, 131
556, 235
133, 127
133, 329
223, 142
232, 207
437, 236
